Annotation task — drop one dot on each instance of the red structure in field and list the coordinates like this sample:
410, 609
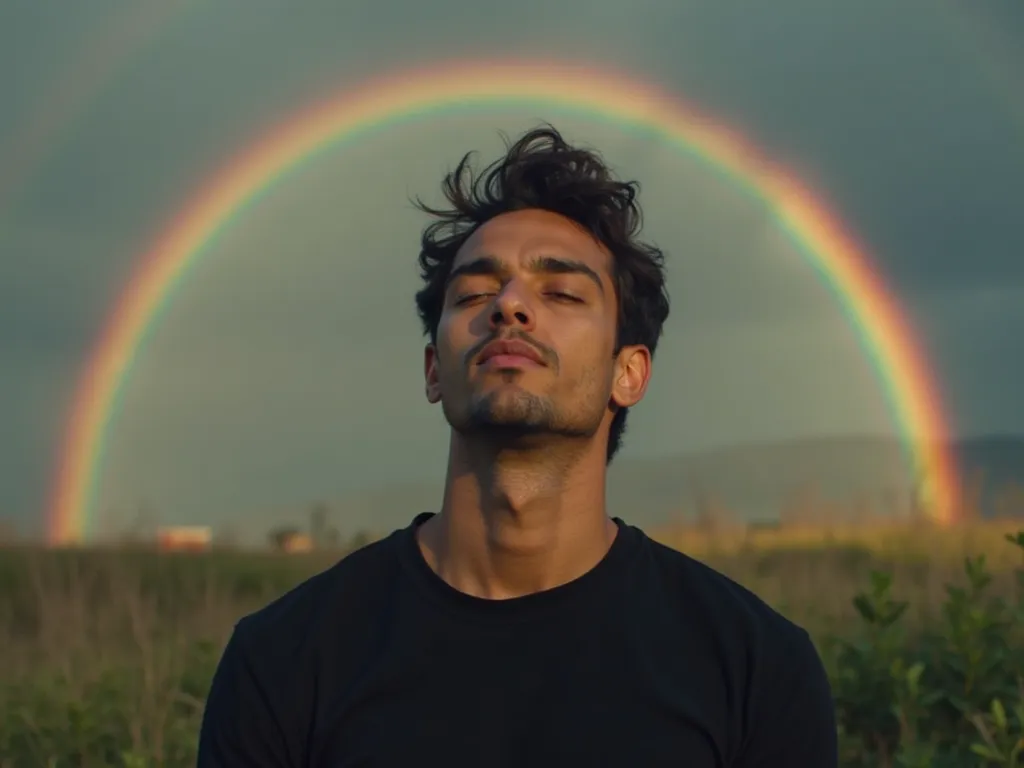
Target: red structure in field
193, 538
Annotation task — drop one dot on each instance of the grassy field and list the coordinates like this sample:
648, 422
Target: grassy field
107, 654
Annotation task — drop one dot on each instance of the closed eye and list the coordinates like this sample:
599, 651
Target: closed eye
562, 296
470, 297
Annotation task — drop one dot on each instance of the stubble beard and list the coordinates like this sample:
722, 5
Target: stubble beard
510, 415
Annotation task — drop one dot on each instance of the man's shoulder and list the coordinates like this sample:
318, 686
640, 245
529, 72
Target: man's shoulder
767, 662
759, 649
341, 594
724, 604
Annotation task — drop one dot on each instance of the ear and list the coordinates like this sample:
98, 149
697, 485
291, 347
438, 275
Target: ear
632, 374
430, 375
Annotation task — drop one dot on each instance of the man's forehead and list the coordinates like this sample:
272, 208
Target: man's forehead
518, 237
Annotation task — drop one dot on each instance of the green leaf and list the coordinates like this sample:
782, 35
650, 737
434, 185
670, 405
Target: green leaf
987, 752
865, 608
914, 676
881, 582
999, 714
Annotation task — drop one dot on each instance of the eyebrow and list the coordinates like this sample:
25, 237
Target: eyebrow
550, 265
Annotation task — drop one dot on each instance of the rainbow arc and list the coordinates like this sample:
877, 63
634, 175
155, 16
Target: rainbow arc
885, 335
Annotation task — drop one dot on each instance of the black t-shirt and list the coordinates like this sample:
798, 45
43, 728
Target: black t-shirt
649, 659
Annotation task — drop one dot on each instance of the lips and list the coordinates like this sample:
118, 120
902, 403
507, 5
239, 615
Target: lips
510, 354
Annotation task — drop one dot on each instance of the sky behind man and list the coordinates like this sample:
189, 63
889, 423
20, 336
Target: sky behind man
917, 146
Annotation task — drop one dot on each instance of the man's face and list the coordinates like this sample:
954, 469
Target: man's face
535, 279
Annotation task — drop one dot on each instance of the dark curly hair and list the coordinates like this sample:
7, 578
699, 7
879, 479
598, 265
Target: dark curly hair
542, 171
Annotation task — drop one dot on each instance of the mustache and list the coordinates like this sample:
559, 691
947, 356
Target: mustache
546, 353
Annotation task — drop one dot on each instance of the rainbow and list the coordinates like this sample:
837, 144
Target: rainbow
406, 96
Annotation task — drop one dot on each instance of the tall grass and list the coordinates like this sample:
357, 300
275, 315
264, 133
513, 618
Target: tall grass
107, 654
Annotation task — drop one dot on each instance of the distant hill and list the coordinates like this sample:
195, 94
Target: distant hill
753, 482
994, 463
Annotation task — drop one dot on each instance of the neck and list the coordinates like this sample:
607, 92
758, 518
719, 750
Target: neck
514, 522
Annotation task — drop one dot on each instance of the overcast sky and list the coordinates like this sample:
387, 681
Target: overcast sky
289, 367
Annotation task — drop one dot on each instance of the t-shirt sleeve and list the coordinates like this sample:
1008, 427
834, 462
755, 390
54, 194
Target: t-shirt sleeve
240, 728
792, 714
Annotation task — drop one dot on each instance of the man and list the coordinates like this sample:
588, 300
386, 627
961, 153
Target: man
521, 625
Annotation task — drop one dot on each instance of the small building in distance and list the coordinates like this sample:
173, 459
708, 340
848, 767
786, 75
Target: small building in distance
296, 542
184, 538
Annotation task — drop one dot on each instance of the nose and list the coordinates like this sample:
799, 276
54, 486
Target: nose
511, 308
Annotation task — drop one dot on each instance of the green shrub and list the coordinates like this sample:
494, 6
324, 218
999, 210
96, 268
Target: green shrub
948, 694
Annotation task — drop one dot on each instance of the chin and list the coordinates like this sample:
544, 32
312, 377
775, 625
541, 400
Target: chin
512, 407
